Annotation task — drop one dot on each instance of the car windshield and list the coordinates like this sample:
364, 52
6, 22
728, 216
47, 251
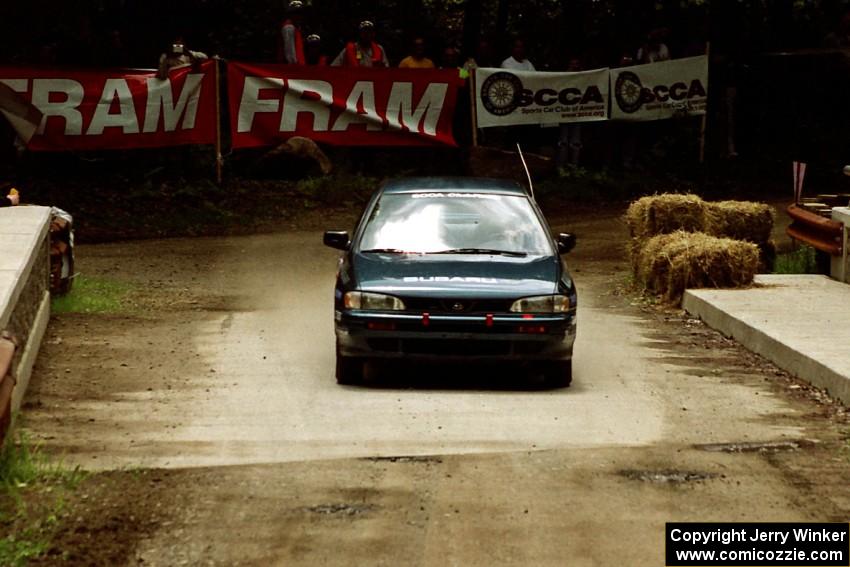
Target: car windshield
462, 223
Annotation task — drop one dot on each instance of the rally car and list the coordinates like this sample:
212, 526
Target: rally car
453, 269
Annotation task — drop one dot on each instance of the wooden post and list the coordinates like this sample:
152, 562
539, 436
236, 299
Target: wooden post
219, 160
704, 121
473, 99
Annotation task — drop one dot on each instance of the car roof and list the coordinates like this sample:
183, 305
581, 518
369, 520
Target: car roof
453, 185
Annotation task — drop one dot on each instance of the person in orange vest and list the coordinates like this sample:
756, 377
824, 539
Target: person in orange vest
313, 51
292, 42
365, 52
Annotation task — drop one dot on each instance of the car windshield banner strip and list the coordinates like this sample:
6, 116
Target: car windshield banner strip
61, 109
662, 90
509, 98
341, 106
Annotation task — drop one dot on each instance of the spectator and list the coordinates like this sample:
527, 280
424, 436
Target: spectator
11, 199
291, 49
313, 51
365, 52
655, 49
569, 139
417, 60
451, 60
517, 61
483, 57
113, 53
178, 56
840, 38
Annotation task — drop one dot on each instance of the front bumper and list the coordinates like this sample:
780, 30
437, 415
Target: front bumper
515, 337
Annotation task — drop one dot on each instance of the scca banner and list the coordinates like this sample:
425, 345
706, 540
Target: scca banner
507, 98
97, 110
341, 106
660, 90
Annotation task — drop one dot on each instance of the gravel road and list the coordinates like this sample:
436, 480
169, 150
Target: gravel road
220, 377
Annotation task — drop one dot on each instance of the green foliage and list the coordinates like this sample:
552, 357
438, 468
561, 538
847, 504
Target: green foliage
22, 463
23, 467
92, 295
16, 550
800, 261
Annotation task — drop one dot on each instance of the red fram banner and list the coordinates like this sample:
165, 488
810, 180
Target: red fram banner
99, 110
341, 106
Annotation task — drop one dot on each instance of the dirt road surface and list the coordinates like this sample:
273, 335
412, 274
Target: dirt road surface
212, 410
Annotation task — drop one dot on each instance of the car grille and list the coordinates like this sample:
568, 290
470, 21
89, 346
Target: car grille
478, 306
456, 347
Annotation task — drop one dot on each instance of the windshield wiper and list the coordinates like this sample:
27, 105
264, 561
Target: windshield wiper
482, 251
387, 251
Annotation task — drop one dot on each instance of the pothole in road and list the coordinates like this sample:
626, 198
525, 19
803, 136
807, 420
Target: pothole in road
404, 459
667, 476
340, 509
756, 446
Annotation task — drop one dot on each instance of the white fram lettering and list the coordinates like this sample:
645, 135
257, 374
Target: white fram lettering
161, 103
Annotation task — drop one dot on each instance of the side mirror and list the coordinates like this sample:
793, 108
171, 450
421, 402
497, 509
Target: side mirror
566, 242
338, 239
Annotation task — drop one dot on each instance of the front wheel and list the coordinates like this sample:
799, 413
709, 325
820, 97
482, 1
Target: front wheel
349, 371
558, 374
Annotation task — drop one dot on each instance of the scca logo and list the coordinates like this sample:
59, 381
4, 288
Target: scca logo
567, 97
631, 95
502, 93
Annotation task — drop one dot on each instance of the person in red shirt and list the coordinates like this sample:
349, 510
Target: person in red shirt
365, 52
291, 49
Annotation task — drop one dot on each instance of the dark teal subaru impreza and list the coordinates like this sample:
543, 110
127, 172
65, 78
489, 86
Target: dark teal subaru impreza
453, 269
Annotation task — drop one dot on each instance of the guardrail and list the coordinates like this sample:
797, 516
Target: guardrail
818, 232
7, 385
24, 299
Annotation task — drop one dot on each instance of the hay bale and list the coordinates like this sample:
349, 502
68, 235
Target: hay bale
740, 220
663, 214
671, 263
649, 264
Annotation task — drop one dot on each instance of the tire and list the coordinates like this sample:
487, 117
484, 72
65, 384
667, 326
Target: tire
349, 371
558, 374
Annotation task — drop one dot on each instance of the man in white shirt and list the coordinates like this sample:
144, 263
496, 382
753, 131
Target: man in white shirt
517, 60
655, 49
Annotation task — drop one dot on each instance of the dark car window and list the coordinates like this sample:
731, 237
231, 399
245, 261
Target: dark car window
437, 222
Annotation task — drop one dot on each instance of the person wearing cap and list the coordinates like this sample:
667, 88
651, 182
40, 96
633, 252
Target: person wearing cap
178, 56
365, 52
313, 52
291, 49
417, 60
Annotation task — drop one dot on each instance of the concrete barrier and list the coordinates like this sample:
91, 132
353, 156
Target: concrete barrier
24, 287
798, 322
841, 264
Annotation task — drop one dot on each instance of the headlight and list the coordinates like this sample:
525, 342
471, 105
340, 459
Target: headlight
542, 304
372, 301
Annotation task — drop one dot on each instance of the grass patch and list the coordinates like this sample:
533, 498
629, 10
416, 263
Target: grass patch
22, 463
32, 489
800, 261
92, 295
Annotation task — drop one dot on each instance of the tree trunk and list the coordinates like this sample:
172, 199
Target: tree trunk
502, 24
472, 17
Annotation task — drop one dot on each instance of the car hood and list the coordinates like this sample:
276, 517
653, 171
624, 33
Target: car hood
456, 275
